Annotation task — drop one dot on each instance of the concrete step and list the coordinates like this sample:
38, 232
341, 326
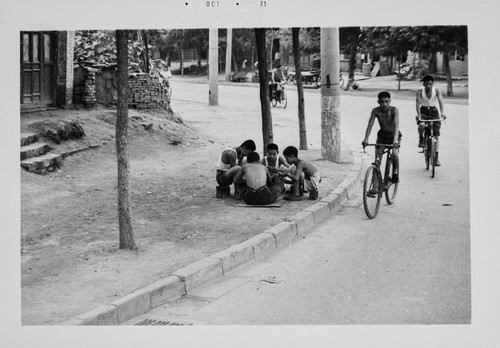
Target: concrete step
28, 138
34, 150
42, 164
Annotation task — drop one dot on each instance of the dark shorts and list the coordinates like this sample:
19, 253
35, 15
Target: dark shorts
431, 113
222, 178
387, 137
262, 196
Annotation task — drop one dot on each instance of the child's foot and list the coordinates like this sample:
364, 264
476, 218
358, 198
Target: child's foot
292, 198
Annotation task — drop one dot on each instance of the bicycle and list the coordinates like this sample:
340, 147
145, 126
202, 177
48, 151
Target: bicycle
430, 140
375, 184
283, 98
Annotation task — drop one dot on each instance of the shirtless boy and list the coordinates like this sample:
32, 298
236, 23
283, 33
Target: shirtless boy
254, 182
388, 120
311, 177
229, 164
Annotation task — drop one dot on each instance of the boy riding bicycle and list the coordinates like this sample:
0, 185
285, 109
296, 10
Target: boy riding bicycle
428, 97
275, 84
388, 119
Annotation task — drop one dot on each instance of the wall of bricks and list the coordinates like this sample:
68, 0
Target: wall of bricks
147, 92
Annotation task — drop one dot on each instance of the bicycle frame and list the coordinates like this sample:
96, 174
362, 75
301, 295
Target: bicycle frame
430, 140
376, 183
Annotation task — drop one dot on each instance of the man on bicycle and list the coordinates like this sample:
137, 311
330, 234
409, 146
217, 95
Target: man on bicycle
388, 120
428, 97
275, 84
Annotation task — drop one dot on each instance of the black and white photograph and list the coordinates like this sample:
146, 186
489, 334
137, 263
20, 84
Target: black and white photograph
250, 174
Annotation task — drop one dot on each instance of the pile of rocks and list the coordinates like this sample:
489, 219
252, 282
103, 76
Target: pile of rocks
89, 95
147, 92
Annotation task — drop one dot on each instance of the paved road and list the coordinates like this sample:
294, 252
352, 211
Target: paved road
411, 265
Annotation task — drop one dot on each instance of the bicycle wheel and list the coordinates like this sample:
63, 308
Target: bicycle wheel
274, 100
372, 191
433, 158
341, 81
391, 189
284, 99
427, 153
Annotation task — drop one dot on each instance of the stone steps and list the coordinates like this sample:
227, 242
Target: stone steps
34, 150
35, 157
42, 164
28, 138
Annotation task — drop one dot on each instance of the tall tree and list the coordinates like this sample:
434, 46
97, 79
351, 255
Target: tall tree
124, 212
265, 105
300, 89
445, 39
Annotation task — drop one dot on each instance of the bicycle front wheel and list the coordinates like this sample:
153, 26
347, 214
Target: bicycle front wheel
427, 153
372, 191
391, 189
433, 158
274, 100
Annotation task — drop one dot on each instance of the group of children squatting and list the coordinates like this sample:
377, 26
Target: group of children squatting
261, 181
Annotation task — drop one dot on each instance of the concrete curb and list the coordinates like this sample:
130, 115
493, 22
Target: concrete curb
185, 280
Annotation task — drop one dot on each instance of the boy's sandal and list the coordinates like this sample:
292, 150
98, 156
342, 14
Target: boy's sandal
292, 198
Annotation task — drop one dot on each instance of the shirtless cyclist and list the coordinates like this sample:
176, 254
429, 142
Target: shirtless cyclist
388, 120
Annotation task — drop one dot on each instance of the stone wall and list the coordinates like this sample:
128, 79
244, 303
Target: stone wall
147, 92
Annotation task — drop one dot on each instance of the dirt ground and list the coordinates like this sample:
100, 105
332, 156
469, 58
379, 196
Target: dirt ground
70, 260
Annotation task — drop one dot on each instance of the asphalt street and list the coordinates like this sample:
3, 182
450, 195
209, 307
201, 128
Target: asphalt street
411, 265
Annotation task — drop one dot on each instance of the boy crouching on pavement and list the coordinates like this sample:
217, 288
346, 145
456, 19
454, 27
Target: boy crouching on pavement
228, 165
254, 182
311, 178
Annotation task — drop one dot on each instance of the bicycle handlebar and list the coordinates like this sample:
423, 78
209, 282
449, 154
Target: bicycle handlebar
430, 121
384, 145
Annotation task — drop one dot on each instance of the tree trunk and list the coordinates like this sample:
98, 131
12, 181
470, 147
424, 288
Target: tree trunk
265, 105
181, 58
449, 82
300, 89
330, 94
235, 63
352, 67
146, 50
124, 213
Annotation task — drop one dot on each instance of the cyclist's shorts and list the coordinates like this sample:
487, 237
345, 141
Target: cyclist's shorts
387, 137
431, 113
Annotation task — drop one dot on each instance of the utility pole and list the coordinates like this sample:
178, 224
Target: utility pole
213, 64
330, 94
229, 50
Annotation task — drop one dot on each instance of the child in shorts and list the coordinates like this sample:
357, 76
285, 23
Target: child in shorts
311, 175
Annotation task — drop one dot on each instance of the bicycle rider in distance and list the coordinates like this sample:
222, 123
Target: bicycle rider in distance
428, 97
388, 120
276, 79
